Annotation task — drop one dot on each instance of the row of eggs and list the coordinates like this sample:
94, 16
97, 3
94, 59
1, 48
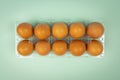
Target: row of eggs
60, 30
59, 47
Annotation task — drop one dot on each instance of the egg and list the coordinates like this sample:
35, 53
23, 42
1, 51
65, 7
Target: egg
42, 47
25, 47
25, 30
77, 30
60, 30
77, 47
42, 31
95, 30
59, 47
94, 48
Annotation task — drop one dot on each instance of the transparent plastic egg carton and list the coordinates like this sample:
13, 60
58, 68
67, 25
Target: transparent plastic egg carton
52, 39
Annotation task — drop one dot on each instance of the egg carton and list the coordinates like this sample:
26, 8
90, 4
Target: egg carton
52, 39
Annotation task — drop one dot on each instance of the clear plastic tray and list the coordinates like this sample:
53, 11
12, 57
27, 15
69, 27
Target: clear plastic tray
51, 39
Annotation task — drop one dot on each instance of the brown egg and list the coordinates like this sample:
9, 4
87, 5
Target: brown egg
42, 31
77, 30
95, 30
77, 47
59, 47
25, 30
60, 30
25, 47
94, 48
42, 47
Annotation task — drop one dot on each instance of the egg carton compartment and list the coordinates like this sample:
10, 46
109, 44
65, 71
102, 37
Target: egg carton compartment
52, 39
100, 39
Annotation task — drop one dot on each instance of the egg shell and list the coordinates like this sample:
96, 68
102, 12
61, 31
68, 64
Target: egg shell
42, 31
77, 47
43, 47
25, 30
77, 30
95, 30
59, 47
25, 47
60, 30
94, 48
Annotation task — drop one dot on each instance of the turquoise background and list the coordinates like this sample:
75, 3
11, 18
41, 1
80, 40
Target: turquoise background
60, 68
